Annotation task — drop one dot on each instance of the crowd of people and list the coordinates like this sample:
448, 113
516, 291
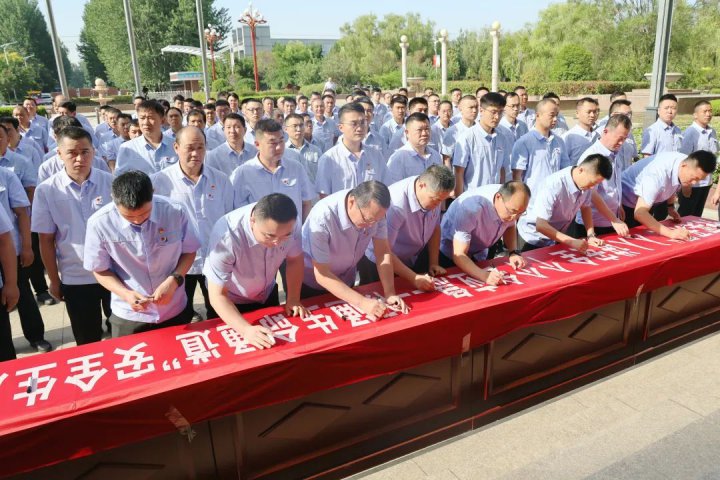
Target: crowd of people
128, 218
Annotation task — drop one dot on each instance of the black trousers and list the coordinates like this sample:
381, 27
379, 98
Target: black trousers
192, 281
577, 230
7, 349
272, 301
122, 327
85, 305
308, 292
30, 319
695, 204
37, 269
659, 211
369, 273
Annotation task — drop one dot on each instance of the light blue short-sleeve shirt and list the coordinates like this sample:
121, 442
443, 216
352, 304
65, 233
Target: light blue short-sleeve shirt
339, 169
654, 179
309, 157
697, 138
451, 136
473, 220
482, 154
239, 263
54, 164
518, 129
661, 137
407, 162
5, 227
138, 154
12, 195
409, 226
63, 207
225, 159
206, 201
20, 166
577, 140
141, 256
329, 237
558, 201
539, 157
324, 132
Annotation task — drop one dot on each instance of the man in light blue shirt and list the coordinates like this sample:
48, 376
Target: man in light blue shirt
476, 220
206, 194
61, 209
655, 181
324, 127
559, 198
309, 153
510, 119
37, 121
140, 247
247, 247
19, 165
398, 108
698, 136
272, 170
526, 115
335, 236
663, 135
399, 137
482, 153
36, 131
372, 139
413, 224
25, 147
235, 151
468, 115
583, 134
415, 156
607, 197
349, 163
539, 153
150, 152
561, 126
440, 127
8, 286
617, 95
215, 133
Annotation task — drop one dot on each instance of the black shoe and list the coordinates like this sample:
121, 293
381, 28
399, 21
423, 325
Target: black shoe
42, 346
196, 317
45, 298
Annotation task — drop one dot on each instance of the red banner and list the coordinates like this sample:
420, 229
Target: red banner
77, 401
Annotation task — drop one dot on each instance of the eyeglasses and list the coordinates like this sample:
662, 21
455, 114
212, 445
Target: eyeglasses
511, 213
253, 110
295, 126
365, 221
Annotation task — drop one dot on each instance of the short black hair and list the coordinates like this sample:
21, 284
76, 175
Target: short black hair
277, 207
132, 189
551, 95
707, 161
492, 99
266, 125
416, 117
586, 100
10, 120
397, 98
369, 191
63, 122
74, 133
598, 163
178, 97
30, 99
221, 103
235, 116
70, 106
667, 96
153, 106
617, 103
417, 101
438, 178
350, 107
295, 116
508, 189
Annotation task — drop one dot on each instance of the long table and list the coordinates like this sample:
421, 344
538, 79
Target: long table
339, 392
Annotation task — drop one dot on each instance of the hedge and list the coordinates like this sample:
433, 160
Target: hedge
7, 111
251, 94
715, 106
116, 99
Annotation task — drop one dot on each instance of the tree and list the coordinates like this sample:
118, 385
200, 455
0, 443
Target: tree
573, 62
17, 77
157, 23
92, 65
23, 23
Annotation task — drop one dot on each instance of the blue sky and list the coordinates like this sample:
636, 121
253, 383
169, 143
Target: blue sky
323, 18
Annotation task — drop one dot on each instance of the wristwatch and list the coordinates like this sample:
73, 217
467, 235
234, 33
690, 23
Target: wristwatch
514, 252
179, 279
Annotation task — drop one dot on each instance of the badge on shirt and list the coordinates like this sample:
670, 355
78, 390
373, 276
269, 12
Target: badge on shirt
98, 201
288, 182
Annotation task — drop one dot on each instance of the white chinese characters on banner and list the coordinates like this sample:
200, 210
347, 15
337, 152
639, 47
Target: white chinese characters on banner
35, 385
198, 346
87, 372
136, 360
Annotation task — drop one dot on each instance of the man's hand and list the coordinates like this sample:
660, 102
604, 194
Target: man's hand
716, 196
579, 244
517, 261
26, 257
137, 301
621, 228
55, 291
164, 292
9, 296
373, 308
397, 304
295, 309
258, 336
436, 271
494, 277
595, 242
680, 233
426, 283
674, 215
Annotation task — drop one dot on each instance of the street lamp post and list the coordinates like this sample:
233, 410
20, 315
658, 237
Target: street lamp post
443, 60
212, 36
25, 59
403, 61
4, 46
252, 18
495, 33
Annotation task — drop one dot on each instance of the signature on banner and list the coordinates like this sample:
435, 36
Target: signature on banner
69, 378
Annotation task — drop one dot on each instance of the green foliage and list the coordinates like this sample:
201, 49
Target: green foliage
570, 89
293, 63
715, 106
573, 63
7, 111
17, 77
157, 23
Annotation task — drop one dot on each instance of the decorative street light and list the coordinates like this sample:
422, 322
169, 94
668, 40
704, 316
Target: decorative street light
212, 36
495, 33
4, 46
252, 17
403, 59
443, 60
